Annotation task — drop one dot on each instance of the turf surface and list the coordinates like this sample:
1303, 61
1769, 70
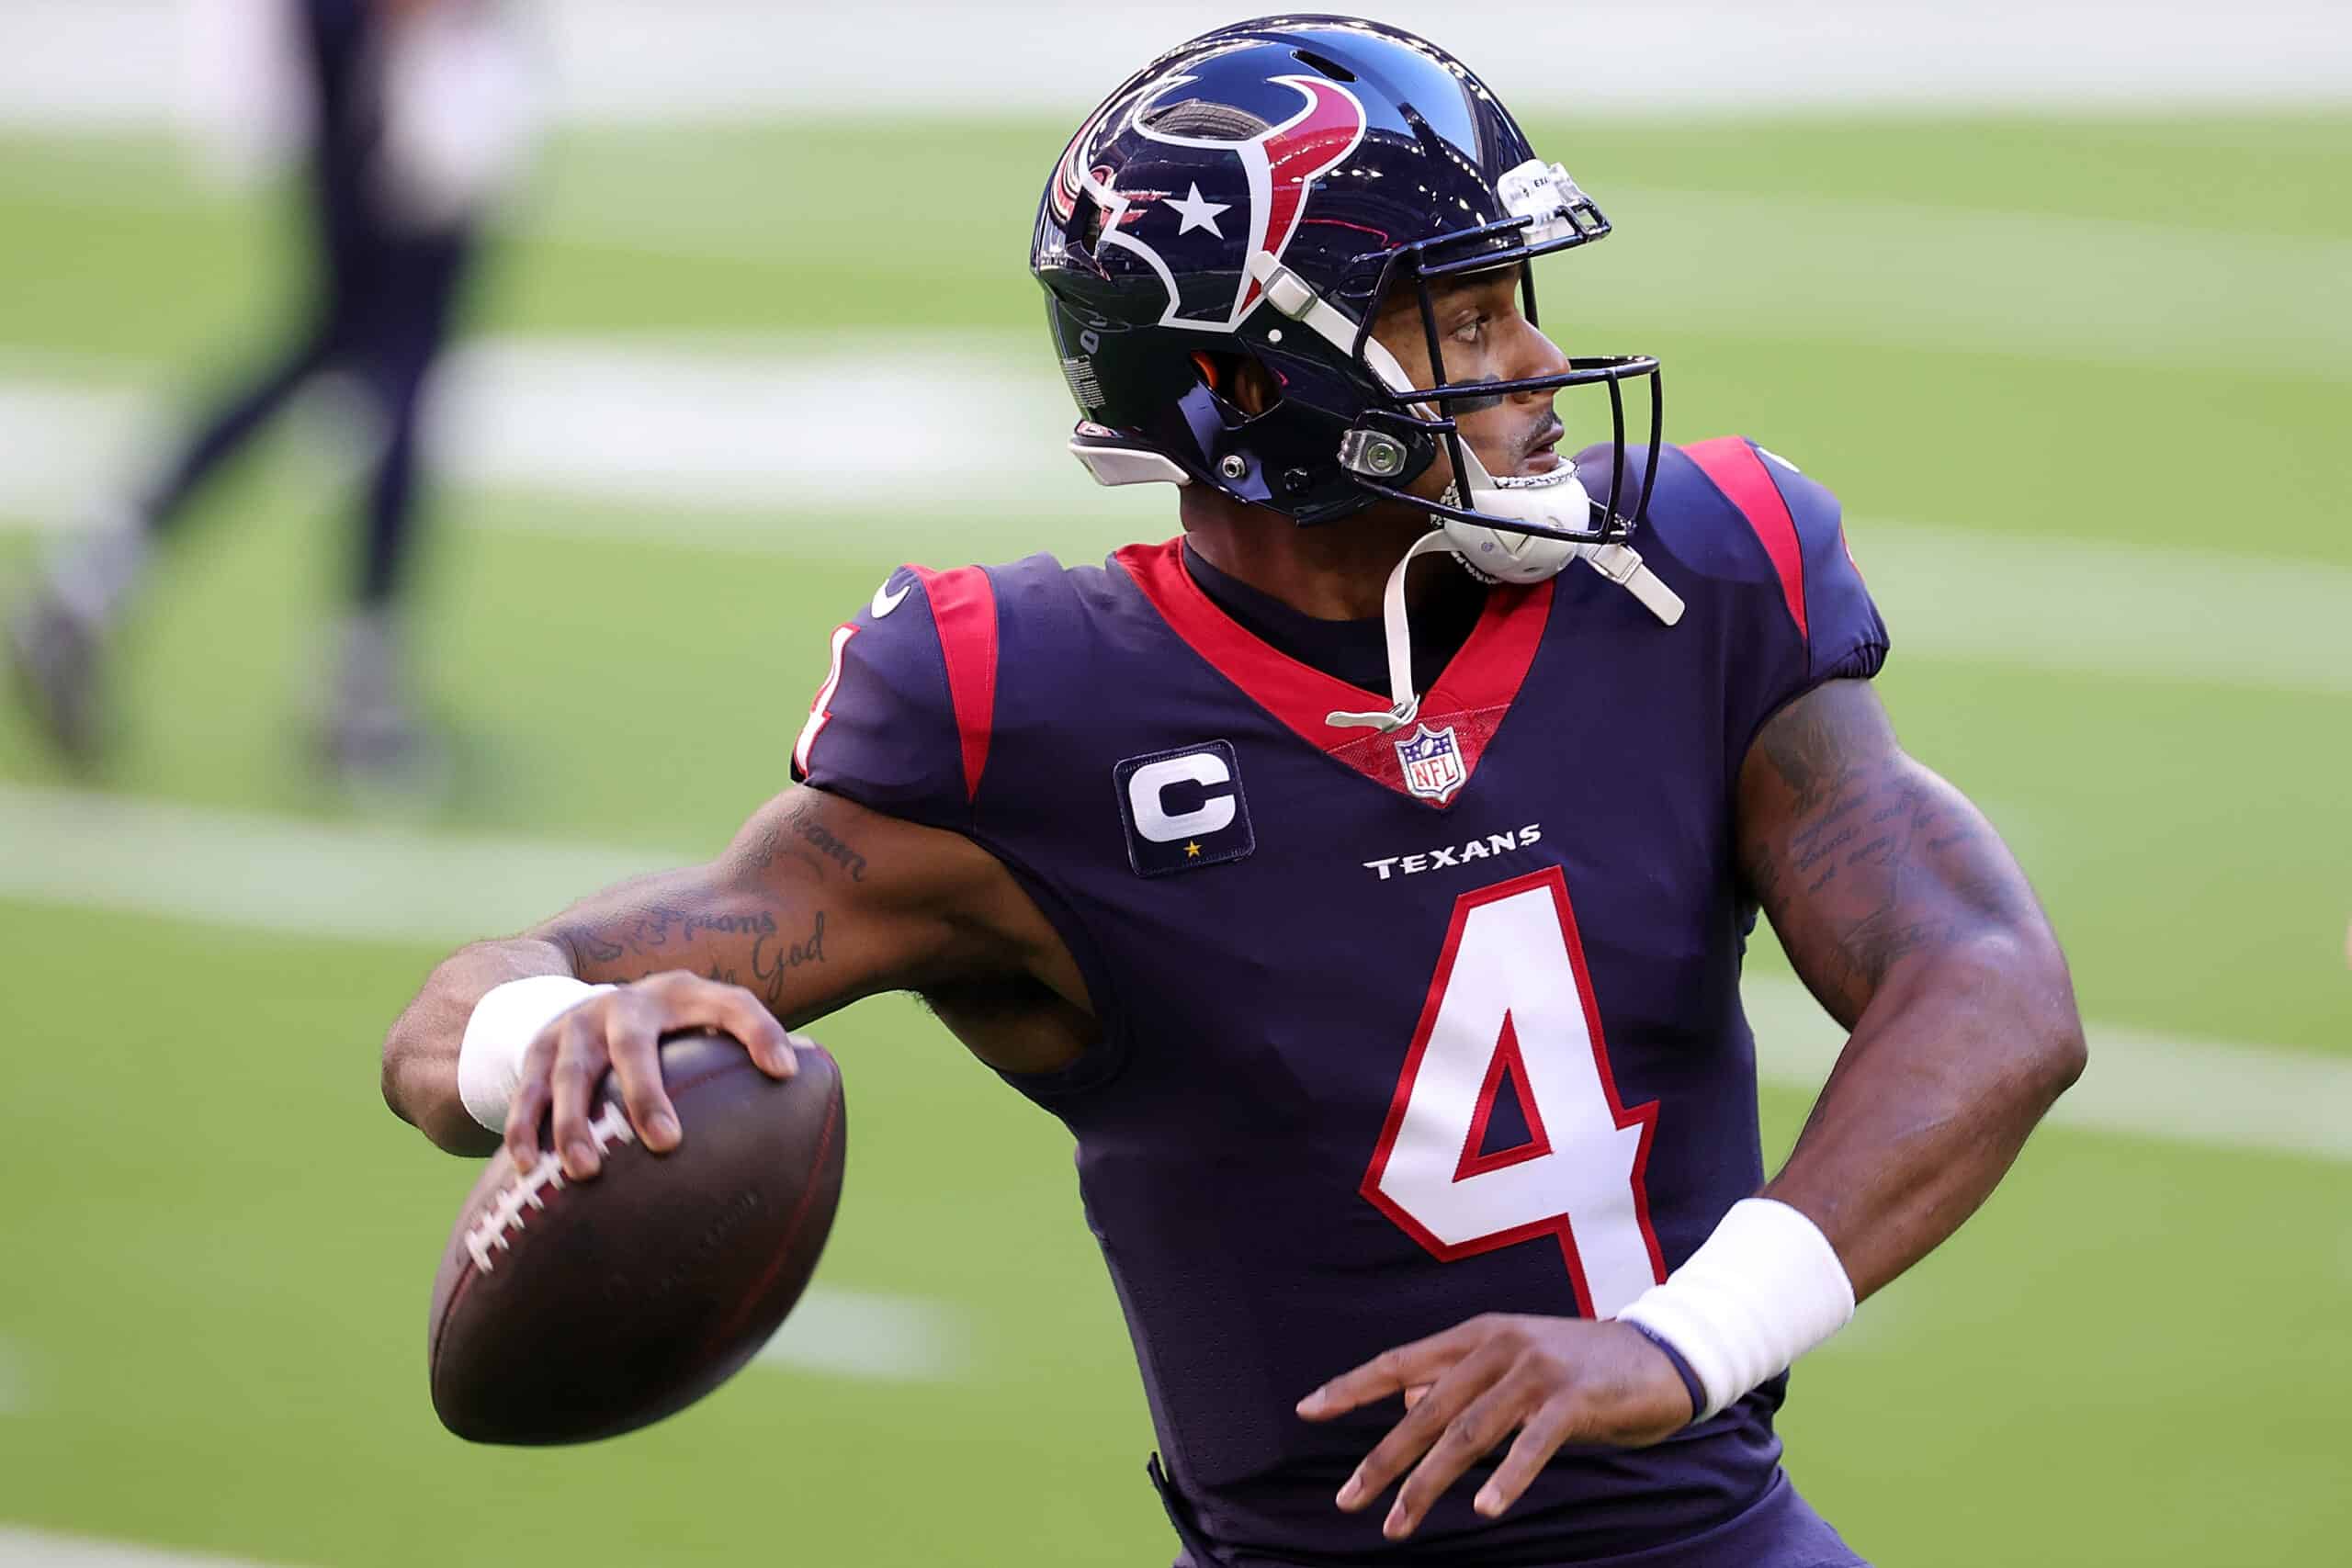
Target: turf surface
2118, 333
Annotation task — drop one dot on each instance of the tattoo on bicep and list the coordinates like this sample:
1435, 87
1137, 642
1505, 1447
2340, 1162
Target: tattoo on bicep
1889, 860
1805, 753
828, 843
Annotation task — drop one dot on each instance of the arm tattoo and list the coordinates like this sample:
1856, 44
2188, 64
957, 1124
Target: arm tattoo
756, 918
1861, 856
829, 845
753, 940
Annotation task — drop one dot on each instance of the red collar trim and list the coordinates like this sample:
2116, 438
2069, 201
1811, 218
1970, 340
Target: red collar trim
1477, 684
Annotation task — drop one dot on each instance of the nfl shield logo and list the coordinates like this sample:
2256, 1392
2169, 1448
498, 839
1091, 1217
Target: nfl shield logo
1432, 762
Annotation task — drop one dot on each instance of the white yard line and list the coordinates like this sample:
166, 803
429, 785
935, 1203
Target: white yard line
288, 876
41, 1549
95, 62
656, 424
315, 879
2099, 608
2227, 1095
775, 452
871, 1335
2031, 285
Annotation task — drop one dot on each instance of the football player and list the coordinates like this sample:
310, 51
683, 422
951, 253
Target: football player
1364, 876
417, 118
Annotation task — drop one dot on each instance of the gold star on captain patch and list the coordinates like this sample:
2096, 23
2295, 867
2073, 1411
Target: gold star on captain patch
1192, 852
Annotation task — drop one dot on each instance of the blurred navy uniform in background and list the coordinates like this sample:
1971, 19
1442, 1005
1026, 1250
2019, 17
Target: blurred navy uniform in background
417, 118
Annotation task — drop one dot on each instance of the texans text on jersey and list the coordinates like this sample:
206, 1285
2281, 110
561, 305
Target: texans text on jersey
1448, 854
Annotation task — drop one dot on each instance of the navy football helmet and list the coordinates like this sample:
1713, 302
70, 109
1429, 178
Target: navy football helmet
1263, 190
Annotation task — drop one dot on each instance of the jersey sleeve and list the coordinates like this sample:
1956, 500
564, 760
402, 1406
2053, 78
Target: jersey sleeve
1806, 616
903, 720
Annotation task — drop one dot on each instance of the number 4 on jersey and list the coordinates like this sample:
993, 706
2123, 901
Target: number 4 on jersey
1510, 1008
820, 707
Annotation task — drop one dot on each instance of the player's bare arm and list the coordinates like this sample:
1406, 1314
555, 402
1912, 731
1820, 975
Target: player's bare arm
1905, 913
816, 903
1912, 924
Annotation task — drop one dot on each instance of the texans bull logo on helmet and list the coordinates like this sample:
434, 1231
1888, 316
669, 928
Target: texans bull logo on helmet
1199, 235
1257, 197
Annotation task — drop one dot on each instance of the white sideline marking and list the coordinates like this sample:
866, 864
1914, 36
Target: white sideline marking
288, 876
96, 62
749, 454
2109, 609
40, 1549
868, 1333
656, 423
315, 879
2229, 1096
2044, 285
648, 423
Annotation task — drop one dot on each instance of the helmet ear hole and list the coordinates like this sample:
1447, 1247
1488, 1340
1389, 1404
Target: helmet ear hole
1243, 383
1086, 222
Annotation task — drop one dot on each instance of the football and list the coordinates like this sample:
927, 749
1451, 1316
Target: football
566, 1312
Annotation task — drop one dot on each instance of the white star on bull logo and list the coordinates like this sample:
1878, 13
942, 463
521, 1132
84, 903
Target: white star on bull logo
1199, 214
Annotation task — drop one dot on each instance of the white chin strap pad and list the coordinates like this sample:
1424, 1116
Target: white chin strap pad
1555, 500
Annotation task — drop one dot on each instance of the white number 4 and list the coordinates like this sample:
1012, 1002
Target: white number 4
1511, 1000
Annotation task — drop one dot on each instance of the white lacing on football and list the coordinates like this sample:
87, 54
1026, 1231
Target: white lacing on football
523, 1193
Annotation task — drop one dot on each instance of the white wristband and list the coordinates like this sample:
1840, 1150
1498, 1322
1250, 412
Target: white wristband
505, 1022
1761, 1291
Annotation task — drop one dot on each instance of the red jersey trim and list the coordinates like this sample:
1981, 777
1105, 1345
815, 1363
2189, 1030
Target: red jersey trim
963, 609
1740, 474
1485, 673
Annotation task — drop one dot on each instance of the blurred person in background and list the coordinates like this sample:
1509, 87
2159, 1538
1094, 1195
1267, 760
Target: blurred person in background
417, 114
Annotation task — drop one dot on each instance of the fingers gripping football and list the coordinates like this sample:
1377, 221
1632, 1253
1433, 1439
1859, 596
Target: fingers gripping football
1553, 1381
620, 1032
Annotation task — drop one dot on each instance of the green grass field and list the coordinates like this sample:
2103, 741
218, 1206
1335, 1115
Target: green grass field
2110, 358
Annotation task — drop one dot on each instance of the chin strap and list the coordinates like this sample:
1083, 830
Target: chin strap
1620, 564
1400, 648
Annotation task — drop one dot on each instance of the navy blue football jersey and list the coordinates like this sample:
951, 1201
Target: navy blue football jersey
1397, 1028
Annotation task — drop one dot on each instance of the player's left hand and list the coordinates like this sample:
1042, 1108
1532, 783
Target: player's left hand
1552, 1380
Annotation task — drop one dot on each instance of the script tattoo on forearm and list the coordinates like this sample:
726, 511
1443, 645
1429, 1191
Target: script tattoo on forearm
754, 919
662, 936
773, 962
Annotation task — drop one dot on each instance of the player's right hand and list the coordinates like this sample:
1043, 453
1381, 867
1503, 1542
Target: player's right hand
622, 1029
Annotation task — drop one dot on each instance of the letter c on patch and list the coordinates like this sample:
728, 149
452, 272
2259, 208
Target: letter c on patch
1148, 791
